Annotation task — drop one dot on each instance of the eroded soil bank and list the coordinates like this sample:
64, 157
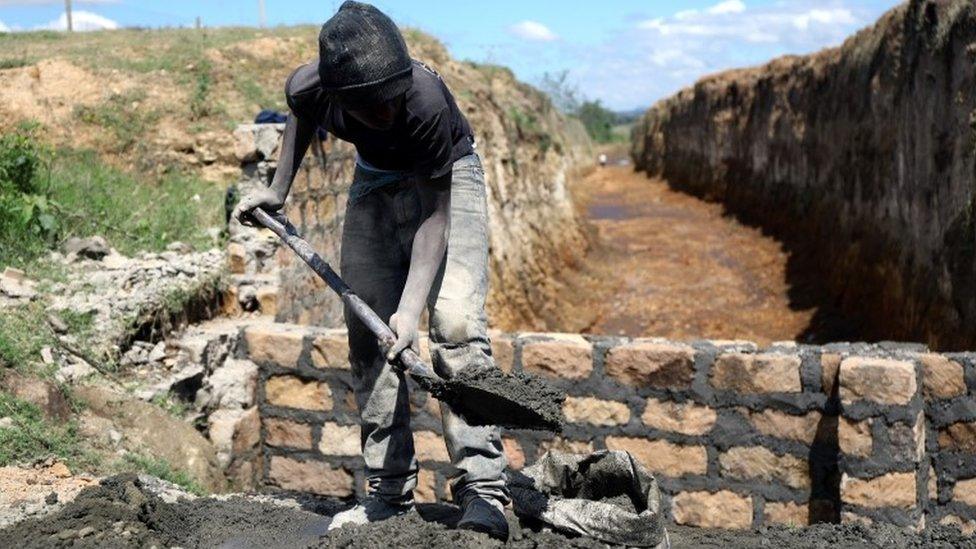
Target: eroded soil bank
129, 511
667, 264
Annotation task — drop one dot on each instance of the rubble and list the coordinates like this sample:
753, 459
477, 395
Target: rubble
15, 287
124, 295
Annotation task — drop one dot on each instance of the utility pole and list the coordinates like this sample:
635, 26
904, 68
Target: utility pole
262, 18
67, 13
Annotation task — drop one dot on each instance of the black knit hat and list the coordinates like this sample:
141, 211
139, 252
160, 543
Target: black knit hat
363, 59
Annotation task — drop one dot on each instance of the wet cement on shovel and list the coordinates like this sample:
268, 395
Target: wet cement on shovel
487, 396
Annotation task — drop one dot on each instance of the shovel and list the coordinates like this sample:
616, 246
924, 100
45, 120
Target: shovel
482, 396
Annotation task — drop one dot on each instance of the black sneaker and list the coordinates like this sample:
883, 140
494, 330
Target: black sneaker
486, 516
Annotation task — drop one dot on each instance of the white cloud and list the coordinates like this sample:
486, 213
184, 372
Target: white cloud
81, 21
656, 57
534, 31
729, 6
732, 20
3, 27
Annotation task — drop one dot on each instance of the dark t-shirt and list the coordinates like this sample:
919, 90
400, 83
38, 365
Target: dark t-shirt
429, 134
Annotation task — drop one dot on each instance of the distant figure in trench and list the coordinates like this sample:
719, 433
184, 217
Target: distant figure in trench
415, 234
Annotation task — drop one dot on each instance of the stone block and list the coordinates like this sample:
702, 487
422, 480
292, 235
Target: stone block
279, 344
267, 297
247, 435
890, 490
331, 350
293, 392
513, 453
429, 446
958, 437
503, 351
829, 368
229, 304
882, 381
595, 411
757, 373
340, 440
426, 490
965, 492
786, 513
652, 364
560, 444
686, 418
285, 433
310, 476
805, 428
941, 377
663, 457
854, 437
236, 258
566, 357
723, 509
967, 527
907, 441
758, 463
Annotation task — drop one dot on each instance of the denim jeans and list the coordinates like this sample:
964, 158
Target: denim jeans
376, 245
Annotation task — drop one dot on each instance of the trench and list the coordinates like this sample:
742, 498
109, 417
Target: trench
664, 263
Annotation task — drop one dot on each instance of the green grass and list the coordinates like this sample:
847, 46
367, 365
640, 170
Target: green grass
33, 437
23, 333
257, 94
14, 63
123, 115
133, 213
160, 468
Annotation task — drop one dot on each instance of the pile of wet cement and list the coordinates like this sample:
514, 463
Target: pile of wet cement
487, 396
123, 512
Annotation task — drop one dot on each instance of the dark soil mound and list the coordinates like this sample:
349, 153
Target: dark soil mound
123, 512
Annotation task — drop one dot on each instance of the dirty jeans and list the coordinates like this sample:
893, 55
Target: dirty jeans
376, 245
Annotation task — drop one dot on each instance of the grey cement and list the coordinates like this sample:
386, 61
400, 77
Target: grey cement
487, 396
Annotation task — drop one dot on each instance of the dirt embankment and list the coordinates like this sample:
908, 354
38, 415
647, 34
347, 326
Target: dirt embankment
860, 157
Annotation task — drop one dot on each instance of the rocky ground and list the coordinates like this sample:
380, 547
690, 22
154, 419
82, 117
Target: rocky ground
140, 511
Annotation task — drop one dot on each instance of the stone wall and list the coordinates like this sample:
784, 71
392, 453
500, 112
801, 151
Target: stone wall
860, 157
738, 436
529, 151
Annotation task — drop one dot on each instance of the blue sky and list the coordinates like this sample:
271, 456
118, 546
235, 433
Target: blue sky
627, 53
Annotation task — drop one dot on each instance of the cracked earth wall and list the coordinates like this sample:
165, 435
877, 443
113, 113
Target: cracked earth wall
861, 158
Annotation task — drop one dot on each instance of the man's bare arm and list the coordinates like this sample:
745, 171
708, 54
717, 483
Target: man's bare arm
429, 246
294, 144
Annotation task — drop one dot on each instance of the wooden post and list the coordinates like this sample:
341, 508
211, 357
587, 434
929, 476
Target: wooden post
67, 12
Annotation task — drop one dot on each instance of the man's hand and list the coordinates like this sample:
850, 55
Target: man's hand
263, 197
405, 329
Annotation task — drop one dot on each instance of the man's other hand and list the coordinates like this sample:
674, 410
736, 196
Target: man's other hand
263, 197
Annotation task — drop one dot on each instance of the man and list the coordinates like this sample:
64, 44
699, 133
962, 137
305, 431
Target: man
415, 234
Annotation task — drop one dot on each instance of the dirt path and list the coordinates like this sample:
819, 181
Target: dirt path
666, 264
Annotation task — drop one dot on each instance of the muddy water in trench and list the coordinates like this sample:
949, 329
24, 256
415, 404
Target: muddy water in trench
666, 264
